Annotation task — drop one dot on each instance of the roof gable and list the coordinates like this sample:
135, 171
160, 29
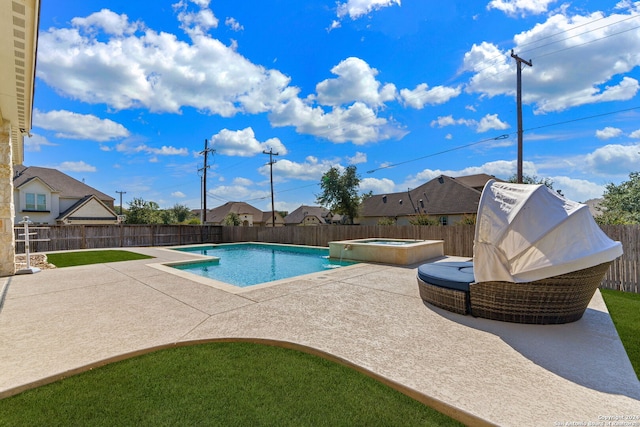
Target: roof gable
298, 215
217, 215
65, 185
89, 207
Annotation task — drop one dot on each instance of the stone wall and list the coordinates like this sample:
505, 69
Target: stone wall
7, 243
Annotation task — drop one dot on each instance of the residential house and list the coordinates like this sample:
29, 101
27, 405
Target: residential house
249, 215
19, 22
447, 199
311, 215
48, 196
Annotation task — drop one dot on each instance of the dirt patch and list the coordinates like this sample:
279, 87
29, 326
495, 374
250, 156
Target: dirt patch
35, 260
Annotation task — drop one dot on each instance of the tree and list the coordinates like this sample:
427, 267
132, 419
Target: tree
528, 179
232, 218
387, 220
340, 192
143, 212
421, 219
621, 203
181, 213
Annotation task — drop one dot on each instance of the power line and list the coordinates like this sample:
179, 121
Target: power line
505, 136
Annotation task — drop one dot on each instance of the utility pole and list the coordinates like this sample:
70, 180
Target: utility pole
205, 153
271, 162
121, 193
519, 62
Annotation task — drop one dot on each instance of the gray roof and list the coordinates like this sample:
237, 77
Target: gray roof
67, 187
476, 181
440, 196
297, 216
82, 202
217, 215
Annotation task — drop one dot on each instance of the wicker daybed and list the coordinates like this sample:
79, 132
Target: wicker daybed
559, 299
538, 258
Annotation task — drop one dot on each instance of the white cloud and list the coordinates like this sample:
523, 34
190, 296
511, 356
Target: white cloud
614, 159
377, 186
196, 23
165, 150
520, 7
357, 158
233, 24
244, 143
608, 133
488, 122
310, 170
357, 8
422, 95
491, 122
178, 194
107, 21
635, 134
35, 142
358, 123
579, 190
356, 82
70, 125
155, 70
76, 167
587, 65
245, 182
105, 58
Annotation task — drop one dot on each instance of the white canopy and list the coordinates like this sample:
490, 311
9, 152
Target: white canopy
529, 232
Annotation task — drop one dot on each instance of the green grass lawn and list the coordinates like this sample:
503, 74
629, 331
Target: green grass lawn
624, 308
226, 384
70, 259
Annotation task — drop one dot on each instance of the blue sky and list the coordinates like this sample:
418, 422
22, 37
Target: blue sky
406, 90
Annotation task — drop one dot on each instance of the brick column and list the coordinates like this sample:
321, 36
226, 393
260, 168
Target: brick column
7, 243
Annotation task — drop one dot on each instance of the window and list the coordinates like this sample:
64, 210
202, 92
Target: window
444, 220
35, 202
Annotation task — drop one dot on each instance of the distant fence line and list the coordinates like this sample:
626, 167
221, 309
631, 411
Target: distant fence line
458, 240
71, 237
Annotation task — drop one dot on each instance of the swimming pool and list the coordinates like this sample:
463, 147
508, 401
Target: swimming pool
248, 264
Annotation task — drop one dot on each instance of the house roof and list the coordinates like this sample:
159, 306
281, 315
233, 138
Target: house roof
476, 181
267, 217
19, 22
84, 201
67, 187
298, 215
217, 215
443, 195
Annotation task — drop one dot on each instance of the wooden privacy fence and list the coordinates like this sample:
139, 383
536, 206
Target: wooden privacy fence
71, 237
458, 240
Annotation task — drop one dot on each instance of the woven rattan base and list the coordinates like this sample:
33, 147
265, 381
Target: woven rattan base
450, 299
559, 299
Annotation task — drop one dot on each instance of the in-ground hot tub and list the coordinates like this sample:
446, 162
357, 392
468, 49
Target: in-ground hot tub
388, 251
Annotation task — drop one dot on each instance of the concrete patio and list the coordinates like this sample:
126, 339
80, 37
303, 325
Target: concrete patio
62, 321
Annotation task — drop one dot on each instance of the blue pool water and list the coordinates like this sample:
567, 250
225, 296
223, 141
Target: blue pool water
247, 264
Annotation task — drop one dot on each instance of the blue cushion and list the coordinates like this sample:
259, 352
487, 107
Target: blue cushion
451, 275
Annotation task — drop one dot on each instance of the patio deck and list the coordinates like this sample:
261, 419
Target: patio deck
480, 371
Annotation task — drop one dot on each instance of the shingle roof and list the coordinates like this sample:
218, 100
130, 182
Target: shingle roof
298, 215
217, 215
440, 196
476, 181
67, 187
82, 202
